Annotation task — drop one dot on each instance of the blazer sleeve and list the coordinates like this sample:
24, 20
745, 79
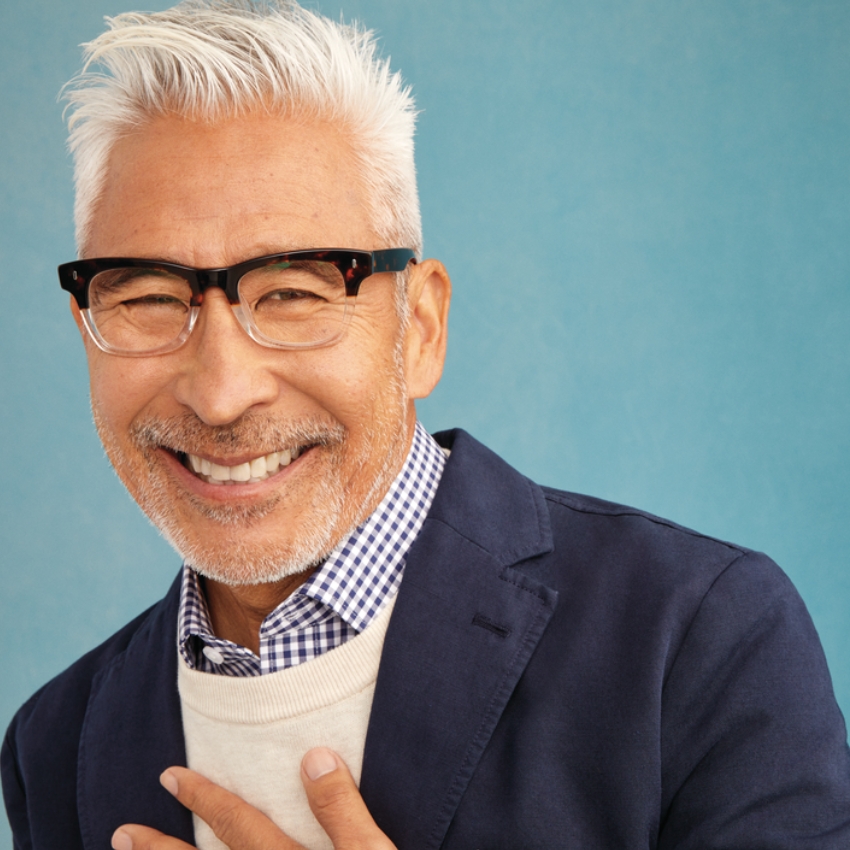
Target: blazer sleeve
754, 748
14, 796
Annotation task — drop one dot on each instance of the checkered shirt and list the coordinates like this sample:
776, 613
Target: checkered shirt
341, 598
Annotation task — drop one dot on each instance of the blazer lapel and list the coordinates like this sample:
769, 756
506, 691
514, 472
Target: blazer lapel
131, 733
469, 614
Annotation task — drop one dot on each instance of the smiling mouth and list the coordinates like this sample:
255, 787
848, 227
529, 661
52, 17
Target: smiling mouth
250, 472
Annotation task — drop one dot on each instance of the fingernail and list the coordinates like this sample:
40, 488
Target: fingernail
319, 762
168, 781
121, 840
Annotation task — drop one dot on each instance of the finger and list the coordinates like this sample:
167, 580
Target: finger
336, 802
131, 836
236, 823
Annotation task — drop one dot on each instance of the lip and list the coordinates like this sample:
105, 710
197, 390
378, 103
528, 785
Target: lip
235, 460
235, 491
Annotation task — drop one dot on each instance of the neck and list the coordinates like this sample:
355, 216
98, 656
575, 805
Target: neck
238, 612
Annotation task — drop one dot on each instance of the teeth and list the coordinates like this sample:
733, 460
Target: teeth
256, 470
220, 473
242, 472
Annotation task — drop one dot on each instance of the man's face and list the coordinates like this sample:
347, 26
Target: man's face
210, 196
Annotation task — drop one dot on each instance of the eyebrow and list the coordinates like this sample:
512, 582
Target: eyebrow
115, 279
264, 249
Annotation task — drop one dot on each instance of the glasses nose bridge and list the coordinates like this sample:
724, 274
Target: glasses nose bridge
223, 279
227, 280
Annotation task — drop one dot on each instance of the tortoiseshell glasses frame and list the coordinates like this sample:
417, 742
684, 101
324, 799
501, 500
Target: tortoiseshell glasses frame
292, 300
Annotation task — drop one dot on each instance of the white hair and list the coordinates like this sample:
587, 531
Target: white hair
210, 60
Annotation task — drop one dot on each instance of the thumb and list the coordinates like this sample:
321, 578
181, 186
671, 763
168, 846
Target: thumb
336, 802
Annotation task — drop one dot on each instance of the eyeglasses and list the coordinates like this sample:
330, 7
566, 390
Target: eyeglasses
300, 299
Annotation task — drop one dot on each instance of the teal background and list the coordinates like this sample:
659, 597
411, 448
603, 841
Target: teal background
644, 207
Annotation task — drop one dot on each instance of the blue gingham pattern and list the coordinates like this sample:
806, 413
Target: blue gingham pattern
341, 598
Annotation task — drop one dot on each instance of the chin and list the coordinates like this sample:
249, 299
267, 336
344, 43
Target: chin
241, 558
249, 544
250, 567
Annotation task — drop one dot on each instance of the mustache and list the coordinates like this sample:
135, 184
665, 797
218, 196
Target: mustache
252, 431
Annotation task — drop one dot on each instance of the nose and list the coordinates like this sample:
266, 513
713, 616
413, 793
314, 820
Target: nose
224, 373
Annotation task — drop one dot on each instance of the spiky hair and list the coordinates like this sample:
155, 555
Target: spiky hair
210, 60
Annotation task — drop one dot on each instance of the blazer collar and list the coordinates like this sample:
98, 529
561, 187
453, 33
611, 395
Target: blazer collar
488, 502
470, 611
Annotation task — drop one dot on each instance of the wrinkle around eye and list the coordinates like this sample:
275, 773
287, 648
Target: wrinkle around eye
290, 295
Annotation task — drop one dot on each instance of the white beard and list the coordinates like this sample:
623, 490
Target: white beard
333, 510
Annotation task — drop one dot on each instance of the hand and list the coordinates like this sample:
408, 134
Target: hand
331, 792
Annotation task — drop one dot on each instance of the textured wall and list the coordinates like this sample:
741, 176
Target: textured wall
644, 206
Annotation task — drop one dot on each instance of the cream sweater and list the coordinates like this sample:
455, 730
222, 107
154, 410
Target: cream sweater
250, 734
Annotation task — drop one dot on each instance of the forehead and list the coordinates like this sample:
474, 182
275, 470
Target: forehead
213, 194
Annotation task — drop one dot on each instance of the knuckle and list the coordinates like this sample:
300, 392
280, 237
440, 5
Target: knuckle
332, 795
227, 820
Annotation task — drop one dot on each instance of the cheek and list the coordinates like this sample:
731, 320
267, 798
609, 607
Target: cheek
333, 387
121, 387
356, 383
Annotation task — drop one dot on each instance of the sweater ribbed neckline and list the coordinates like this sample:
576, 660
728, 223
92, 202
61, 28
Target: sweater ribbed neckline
326, 680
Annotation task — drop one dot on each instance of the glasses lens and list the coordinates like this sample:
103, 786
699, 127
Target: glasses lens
139, 309
297, 303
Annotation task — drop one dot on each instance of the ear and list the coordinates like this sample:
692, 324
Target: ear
88, 344
75, 312
429, 294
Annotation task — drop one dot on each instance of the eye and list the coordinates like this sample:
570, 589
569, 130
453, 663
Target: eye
289, 295
132, 288
292, 287
139, 309
154, 300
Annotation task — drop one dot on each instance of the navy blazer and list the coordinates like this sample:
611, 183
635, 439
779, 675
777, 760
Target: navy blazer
558, 672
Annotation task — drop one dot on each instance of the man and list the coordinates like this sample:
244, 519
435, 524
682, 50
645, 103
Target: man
491, 663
